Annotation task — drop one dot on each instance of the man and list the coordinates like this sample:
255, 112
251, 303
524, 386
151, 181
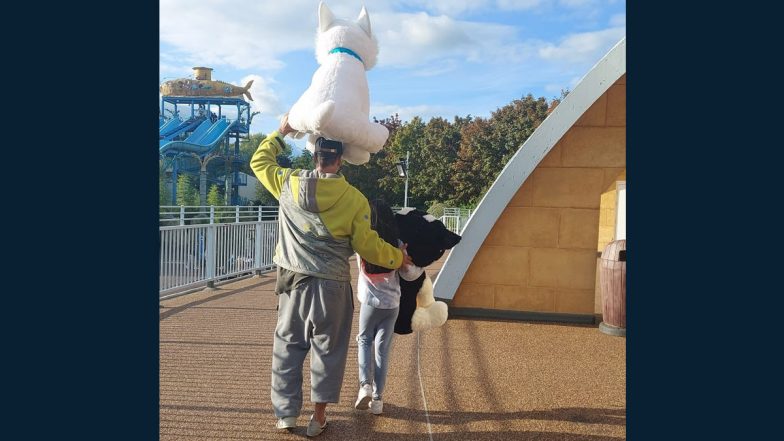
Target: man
323, 221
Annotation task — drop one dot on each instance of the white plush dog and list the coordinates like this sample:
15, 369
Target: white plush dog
337, 103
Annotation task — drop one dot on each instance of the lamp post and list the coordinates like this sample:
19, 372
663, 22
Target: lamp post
402, 171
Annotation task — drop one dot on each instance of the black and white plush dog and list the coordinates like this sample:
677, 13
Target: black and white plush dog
427, 239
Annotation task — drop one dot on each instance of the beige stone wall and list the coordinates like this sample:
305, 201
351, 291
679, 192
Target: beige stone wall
541, 254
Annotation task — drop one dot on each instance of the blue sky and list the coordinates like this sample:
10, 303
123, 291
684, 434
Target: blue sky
436, 57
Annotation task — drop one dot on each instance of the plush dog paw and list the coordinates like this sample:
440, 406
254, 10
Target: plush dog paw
431, 317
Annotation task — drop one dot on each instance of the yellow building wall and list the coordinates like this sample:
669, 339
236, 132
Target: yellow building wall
541, 255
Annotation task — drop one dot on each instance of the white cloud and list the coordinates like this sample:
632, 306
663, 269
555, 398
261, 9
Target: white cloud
618, 20
254, 37
449, 7
250, 35
167, 70
577, 3
582, 47
519, 5
265, 100
458, 7
415, 39
454, 8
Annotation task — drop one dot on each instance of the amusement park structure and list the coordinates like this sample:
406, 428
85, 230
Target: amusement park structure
193, 123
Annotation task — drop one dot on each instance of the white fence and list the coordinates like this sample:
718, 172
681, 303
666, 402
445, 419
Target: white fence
170, 215
198, 255
452, 223
203, 245
455, 219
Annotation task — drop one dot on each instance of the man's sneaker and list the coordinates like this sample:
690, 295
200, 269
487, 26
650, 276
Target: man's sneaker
364, 397
314, 428
286, 423
376, 407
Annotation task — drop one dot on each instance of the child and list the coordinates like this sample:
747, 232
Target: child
378, 290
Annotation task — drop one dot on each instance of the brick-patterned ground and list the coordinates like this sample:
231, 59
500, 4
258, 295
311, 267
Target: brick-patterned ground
482, 379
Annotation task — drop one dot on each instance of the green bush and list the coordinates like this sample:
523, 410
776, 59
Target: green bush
436, 209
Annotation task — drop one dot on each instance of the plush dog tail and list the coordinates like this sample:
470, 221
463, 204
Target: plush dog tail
425, 295
431, 317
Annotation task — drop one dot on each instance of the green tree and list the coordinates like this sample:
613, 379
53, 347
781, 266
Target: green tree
366, 177
164, 193
513, 124
468, 176
264, 197
303, 161
214, 197
249, 146
438, 153
436, 209
164, 189
487, 145
187, 192
379, 177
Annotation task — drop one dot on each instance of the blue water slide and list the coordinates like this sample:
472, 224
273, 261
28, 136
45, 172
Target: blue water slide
194, 136
161, 121
202, 140
185, 126
199, 132
169, 125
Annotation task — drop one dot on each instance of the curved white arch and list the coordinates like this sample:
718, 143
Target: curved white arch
593, 85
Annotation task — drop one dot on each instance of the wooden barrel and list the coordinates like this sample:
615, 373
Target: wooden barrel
612, 277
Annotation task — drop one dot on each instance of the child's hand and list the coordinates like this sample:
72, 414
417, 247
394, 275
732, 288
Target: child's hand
406, 258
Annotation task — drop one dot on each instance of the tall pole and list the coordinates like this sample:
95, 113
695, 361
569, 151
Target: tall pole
405, 195
203, 182
174, 182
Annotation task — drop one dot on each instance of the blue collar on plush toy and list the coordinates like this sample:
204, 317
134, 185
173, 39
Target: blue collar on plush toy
346, 50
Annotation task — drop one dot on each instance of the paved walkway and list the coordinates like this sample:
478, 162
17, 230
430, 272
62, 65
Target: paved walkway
469, 380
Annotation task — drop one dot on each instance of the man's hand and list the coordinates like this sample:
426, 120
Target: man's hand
285, 128
406, 258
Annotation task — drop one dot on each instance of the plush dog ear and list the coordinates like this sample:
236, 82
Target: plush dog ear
450, 239
364, 21
325, 17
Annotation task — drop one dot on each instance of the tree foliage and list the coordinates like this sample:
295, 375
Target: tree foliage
187, 192
215, 197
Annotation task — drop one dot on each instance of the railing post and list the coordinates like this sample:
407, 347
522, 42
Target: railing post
212, 214
211, 255
182, 215
259, 213
259, 240
237, 213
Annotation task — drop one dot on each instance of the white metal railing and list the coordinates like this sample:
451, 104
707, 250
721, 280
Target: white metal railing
170, 215
452, 223
455, 219
197, 255
462, 212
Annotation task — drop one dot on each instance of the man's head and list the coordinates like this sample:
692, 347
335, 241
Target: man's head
327, 155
